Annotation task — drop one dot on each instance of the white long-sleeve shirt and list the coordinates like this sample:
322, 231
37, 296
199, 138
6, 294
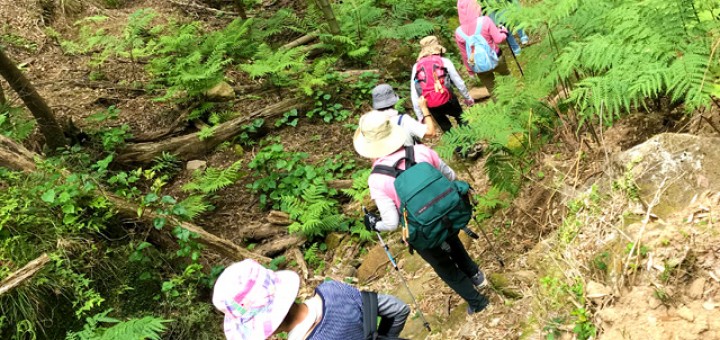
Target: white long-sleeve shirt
453, 78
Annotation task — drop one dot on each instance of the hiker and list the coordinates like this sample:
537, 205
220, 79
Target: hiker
380, 140
384, 99
478, 33
258, 302
430, 77
524, 39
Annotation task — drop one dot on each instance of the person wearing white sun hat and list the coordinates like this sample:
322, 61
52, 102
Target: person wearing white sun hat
258, 303
382, 141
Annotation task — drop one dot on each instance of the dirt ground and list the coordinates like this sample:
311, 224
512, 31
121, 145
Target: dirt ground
686, 311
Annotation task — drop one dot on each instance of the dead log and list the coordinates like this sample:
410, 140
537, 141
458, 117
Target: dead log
16, 278
261, 231
190, 146
129, 210
357, 73
340, 184
15, 156
197, 7
305, 39
278, 218
279, 244
300, 259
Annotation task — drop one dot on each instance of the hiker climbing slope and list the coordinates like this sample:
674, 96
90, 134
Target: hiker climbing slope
384, 99
430, 78
382, 141
478, 39
258, 302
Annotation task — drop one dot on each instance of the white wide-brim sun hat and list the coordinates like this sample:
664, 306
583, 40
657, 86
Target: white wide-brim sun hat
255, 300
376, 136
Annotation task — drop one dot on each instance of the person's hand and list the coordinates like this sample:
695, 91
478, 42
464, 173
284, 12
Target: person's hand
504, 30
370, 221
422, 102
469, 102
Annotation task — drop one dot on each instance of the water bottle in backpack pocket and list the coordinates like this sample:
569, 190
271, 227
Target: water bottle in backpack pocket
430, 74
481, 57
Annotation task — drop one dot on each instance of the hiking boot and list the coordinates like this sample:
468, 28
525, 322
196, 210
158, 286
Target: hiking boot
517, 51
475, 153
479, 279
524, 40
485, 302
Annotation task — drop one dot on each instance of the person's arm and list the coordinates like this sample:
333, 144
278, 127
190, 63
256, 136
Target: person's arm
446, 170
456, 79
437, 162
414, 95
427, 119
497, 36
389, 217
393, 311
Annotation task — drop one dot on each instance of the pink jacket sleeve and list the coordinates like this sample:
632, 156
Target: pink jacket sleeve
492, 34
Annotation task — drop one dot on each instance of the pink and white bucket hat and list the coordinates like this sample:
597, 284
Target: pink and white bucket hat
255, 300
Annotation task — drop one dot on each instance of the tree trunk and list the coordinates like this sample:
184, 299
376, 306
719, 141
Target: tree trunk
24, 273
241, 9
190, 146
49, 126
18, 158
2, 96
327, 11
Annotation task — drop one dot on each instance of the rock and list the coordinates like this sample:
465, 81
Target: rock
373, 266
709, 305
697, 288
350, 271
479, 93
221, 92
333, 240
682, 163
596, 291
196, 165
685, 313
503, 284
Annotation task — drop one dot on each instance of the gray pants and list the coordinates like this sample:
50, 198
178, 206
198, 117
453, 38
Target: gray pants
392, 313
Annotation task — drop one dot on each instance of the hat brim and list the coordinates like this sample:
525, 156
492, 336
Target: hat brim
389, 102
288, 286
384, 147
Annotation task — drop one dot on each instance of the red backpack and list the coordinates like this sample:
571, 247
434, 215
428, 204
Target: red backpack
430, 75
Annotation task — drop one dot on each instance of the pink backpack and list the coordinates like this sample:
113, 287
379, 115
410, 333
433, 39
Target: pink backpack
430, 75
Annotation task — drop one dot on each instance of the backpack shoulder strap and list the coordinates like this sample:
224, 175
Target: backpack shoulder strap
400, 119
461, 33
370, 314
478, 26
410, 155
384, 170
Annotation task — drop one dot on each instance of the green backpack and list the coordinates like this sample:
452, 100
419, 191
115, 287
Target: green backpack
431, 206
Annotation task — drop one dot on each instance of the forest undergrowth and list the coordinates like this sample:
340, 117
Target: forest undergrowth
113, 274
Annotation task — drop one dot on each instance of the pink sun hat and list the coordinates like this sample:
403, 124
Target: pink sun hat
255, 300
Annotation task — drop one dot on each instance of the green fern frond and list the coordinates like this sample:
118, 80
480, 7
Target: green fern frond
214, 179
193, 206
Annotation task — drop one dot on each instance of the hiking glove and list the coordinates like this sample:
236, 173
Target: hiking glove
370, 221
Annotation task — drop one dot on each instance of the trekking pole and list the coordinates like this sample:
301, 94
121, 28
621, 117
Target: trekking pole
514, 56
492, 246
482, 231
397, 270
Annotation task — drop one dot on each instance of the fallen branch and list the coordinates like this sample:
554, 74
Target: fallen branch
24, 273
300, 259
23, 161
190, 146
261, 231
278, 218
203, 8
305, 39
